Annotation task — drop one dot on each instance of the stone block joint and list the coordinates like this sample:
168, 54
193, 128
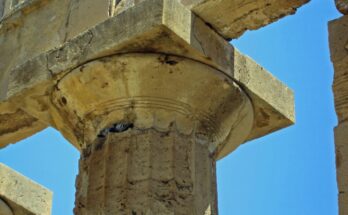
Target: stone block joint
149, 93
338, 38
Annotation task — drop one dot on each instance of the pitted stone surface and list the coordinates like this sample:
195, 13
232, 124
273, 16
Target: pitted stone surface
338, 30
147, 172
150, 91
341, 141
342, 6
153, 91
23, 195
339, 55
182, 35
233, 17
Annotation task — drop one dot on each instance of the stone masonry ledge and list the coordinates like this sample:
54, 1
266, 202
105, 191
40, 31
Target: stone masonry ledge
23, 196
235, 17
23, 20
153, 26
339, 56
246, 15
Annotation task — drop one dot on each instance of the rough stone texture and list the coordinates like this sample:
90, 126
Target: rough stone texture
147, 172
176, 31
153, 91
233, 17
20, 27
148, 91
18, 125
342, 6
341, 140
338, 32
2, 8
165, 162
339, 56
273, 102
23, 195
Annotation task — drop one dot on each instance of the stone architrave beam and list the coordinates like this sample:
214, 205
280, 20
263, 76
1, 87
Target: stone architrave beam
21, 196
232, 18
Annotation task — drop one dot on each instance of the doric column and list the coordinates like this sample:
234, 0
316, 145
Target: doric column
153, 127
149, 92
147, 172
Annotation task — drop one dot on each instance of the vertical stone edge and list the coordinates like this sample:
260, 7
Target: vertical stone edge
338, 40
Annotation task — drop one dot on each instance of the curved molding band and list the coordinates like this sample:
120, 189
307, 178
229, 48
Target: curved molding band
153, 91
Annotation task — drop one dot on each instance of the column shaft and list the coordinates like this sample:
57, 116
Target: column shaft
145, 172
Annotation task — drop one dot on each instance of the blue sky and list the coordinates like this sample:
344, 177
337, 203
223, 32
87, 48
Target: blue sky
290, 172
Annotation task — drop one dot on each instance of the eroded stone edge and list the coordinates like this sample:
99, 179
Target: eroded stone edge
22, 194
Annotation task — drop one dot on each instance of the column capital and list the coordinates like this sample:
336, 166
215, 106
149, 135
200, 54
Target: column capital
153, 91
154, 26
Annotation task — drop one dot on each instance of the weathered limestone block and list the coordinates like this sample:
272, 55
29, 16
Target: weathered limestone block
23, 196
232, 18
341, 141
2, 8
338, 32
55, 21
339, 56
147, 172
163, 27
17, 125
67, 19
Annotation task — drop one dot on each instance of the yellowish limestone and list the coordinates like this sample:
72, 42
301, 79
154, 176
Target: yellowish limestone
338, 33
150, 91
147, 172
191, 38
23, 196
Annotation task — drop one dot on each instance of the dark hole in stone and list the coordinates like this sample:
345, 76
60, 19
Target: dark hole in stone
120, 127
168, 61
103, 133
64, 101
115, 128
171, 62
